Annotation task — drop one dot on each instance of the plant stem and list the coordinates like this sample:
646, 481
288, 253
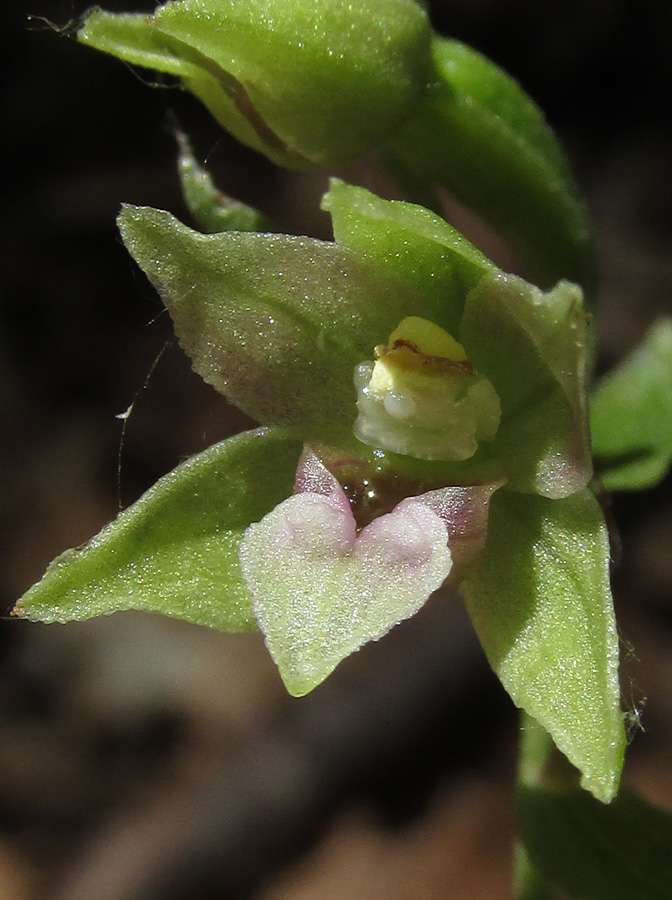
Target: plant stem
534, 752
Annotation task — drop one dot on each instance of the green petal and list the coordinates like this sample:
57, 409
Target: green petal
478, 134
175, 551
631, 415
541, 604
275, 323
412, 242
533, 348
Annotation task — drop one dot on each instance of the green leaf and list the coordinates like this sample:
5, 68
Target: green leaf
411, 241
541, 605
533, 348
175, 551
595, 852
631, 415
277, 324
478, 134
212, 210
305, 82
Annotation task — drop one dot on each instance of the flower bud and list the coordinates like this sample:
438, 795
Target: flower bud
303, 81
422, 397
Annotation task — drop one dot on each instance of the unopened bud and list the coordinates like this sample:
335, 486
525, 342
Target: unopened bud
306, 82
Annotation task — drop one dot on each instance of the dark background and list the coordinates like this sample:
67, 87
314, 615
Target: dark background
143, 758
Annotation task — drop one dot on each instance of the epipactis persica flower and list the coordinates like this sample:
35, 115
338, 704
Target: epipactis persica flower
424, 419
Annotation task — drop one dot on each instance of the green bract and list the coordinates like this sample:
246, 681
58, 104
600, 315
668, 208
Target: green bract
279, 324
212, 210
303, 81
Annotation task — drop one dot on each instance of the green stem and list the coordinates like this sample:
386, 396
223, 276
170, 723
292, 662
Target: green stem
480, 137
534, 752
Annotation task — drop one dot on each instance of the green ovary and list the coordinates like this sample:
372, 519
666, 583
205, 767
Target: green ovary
422, 398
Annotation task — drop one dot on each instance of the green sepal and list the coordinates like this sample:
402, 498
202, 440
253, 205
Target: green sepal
533, 347
306, 82
135, 39
478, 134
275, 323
541, 605
595, 852
411, 242
212, 210
175, 551
631, 415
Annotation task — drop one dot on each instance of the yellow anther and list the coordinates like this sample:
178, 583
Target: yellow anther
428, 339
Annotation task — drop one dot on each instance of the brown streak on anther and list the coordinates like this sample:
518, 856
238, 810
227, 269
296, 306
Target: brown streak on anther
415, 359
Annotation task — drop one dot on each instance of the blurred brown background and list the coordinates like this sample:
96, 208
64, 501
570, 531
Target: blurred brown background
144, 759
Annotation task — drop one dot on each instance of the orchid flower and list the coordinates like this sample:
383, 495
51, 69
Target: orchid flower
424, 421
